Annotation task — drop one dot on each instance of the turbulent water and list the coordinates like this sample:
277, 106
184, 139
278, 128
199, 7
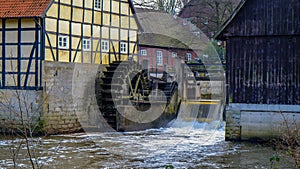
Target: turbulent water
184, 145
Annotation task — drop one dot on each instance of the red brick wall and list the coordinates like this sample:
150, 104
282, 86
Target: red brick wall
168, 60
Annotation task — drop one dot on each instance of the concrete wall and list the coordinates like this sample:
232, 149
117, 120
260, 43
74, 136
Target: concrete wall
17, 106
260, 122
69, 100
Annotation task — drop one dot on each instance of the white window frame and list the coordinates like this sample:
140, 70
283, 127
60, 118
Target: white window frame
63, 42
143, 52
174, 54
97, 5
188, 56
159, 57
86, 44
123, 47
104, 46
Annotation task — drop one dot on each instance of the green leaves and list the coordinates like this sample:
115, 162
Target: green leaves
169, 166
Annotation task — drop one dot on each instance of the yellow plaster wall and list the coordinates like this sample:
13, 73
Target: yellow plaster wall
65, 12
64, 27
106, 6
65, 1
51, 24
124, 21
52, 11
77, 14
115, 7
88, 3
76, 29
11, 23
124, 34
114, 34
124, 8
105, 32
106, 19
11, 36
27, 23
133, 35
63, 56
27, 36
99, 18
88, 16
97, 58
48, 55
105, 58
133, 24
78, 58
78, 3
87, 30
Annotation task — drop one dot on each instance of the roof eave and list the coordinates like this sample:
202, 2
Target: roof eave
16, 17
43, 15
220, 34
134, 15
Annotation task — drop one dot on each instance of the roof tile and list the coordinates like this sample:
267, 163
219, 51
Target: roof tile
22, 8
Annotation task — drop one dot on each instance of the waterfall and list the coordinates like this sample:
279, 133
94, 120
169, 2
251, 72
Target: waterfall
198, 116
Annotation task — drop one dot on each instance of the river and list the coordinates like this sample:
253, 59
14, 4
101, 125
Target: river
188, 145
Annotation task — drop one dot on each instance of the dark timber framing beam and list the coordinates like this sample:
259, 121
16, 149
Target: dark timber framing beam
57, 30
3, 53
19, 52
70, 33
37, 57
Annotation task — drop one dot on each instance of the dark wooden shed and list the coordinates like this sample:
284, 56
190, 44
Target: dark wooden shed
263, 52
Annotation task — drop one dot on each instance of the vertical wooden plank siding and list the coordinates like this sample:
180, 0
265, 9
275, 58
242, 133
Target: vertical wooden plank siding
264, 70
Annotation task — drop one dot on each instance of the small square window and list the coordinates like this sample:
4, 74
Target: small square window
104, 46
123, 47
188, 56
63, 42
86, 44
144, 52
97, 4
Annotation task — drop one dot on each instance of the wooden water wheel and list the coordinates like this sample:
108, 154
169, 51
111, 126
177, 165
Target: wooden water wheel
122, 83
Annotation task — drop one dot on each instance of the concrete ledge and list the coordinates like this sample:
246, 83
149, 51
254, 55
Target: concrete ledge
259, 122
265, 107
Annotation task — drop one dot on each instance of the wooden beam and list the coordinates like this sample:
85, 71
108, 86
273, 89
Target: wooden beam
3, 53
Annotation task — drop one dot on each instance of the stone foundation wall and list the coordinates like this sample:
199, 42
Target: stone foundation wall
233, 125
69, 97
20, 108
260, 122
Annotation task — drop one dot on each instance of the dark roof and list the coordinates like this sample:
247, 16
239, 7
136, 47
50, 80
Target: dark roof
162, 30
23, 8
219, 34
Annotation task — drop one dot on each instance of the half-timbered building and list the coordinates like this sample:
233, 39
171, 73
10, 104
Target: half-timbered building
80, 31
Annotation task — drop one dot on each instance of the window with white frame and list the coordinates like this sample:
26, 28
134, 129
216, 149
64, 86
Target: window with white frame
97, 5
123, 47
144, 52
159, 58
188, 56
86, 44
104, 46
174, 54
63, 41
